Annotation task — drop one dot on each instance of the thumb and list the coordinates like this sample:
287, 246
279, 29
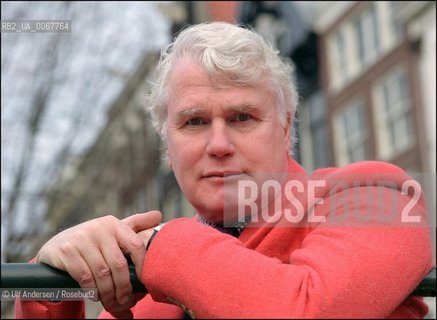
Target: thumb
142, 221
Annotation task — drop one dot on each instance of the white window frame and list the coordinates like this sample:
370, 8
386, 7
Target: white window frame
371, 42
336, 74
386, 147
343, 140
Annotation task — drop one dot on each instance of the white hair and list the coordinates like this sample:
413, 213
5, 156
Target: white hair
238, 55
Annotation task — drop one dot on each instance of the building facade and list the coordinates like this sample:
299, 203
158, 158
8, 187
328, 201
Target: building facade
375, 92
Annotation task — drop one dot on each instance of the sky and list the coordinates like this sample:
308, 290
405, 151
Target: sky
57, 87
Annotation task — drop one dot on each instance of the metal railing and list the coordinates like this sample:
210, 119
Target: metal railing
29, 275
38, 275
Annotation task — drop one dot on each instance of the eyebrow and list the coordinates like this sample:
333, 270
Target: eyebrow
197, 112
243, 108
189, 113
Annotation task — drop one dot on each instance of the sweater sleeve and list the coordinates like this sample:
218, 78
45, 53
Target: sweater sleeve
347, 270
49, 310
29, 309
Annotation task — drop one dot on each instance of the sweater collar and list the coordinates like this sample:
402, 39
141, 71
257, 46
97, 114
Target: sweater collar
233, 231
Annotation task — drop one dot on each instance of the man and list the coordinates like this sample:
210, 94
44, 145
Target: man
268, 241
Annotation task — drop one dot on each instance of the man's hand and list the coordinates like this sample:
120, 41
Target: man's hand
144, 234
93, 253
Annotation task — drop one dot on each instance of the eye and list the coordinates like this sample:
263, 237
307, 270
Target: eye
242, 117
195, 122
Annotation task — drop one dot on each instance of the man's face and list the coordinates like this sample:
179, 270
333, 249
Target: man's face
218, 136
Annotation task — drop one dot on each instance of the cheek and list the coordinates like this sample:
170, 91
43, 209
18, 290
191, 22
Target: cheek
173, 156
269, 153
182, 156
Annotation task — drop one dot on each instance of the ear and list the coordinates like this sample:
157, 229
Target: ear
287, 131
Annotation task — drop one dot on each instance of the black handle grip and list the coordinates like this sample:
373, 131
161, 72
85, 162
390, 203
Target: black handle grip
38, 275
33, 275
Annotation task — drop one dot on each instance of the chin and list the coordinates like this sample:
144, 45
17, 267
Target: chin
218, 210
221, 217
213, 217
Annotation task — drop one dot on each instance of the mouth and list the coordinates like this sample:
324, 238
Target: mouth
221, 174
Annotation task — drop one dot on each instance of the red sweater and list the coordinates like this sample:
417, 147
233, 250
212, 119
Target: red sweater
332, 269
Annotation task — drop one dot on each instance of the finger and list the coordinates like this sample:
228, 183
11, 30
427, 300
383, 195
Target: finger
71, 261
133, 245
142, 221
102, 274
80, 271
119, 269
122, 310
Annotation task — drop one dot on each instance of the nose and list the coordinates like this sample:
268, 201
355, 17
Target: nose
219, 141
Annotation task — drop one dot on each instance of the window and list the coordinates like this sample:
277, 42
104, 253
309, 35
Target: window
314, 135
393, 115
340, 47
395, 23
318, 127
366, 31
351, 134
358, 42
